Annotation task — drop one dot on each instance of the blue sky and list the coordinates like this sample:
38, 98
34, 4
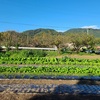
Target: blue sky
61, 15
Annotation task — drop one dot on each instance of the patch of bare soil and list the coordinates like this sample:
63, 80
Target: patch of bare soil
8, 95
47, 81
64, 97
25, 96
81, 56
85, 56
37, 81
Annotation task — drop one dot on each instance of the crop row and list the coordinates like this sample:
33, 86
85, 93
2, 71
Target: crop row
51, 70
49, 61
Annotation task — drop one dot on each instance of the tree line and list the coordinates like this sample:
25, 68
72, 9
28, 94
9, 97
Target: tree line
60, 40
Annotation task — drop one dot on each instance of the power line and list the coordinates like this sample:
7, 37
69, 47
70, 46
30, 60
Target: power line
26, 24
5, 22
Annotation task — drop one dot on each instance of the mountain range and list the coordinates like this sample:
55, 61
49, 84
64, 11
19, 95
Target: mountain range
95, 32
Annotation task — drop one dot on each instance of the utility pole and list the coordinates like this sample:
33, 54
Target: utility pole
87, 30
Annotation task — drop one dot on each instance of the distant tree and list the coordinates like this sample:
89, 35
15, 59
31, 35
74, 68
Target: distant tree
14, 38
77, 40
6, 40
42, 40
22, 40
81, 40
10, 38
1, 38
89, 41
58, 40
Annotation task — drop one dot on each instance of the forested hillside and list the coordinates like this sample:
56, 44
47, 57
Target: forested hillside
95, 32
39, 31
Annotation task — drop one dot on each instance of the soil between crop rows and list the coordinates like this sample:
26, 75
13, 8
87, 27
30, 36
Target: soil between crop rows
47, 81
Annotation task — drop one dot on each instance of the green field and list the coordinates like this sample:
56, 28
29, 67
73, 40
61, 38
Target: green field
25, 63
51, 70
